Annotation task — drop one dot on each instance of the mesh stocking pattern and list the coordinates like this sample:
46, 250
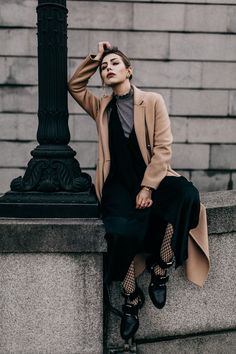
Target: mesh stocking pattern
129, 284
166, 250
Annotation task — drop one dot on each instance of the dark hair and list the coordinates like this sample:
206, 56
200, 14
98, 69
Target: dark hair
115, 50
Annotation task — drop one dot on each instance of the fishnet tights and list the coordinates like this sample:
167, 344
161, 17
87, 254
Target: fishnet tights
166, 250
166, 254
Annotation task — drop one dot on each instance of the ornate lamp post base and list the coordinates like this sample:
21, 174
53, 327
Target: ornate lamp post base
49, 205
53, 184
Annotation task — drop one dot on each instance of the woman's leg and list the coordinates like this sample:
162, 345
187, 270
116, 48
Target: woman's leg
128, 284
159, 277
166, 253
134, 300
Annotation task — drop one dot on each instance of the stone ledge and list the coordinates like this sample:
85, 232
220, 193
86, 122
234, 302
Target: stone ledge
71, 235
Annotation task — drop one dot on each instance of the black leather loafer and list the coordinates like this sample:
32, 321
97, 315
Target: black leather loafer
130, 321
157, 286
157, 290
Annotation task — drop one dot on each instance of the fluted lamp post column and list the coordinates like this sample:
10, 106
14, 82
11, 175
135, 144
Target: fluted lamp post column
53, 184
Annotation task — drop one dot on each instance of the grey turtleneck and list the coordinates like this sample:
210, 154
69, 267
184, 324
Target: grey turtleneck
125, 111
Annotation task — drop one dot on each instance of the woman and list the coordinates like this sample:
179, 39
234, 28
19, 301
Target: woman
152, 215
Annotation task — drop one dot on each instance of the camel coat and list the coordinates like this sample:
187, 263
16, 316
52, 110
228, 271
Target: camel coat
153, 131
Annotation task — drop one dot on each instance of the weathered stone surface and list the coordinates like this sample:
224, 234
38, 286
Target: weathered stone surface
18, 154
23, 70
98, 14
18, 13
50, 305
210, 180
211, 130
14, 99
199, 102
212, 343
179, 129
189, 309
167, 74
84, 128
232, 103
133, 44
212, 78
18, 70
223, 156
52, 235
202, 46
206, 18
15, 154
160, 17
194, 156
7, 175
18, 126
18, 42
86, 153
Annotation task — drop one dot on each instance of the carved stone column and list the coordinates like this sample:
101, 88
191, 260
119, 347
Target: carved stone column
53, 175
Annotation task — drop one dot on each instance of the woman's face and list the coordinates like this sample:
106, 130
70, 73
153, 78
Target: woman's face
113, 64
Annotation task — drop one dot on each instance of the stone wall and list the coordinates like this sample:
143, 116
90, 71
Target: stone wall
52, 300
183, 49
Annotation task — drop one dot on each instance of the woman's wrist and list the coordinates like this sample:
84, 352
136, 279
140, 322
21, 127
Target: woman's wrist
146, 188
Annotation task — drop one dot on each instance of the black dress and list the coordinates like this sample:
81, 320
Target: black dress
129, 230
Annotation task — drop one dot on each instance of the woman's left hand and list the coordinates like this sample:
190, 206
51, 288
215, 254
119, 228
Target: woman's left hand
143, 199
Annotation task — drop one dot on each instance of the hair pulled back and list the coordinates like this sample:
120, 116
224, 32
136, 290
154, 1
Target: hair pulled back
115, 50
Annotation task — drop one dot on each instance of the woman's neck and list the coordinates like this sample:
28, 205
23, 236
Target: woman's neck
122, 89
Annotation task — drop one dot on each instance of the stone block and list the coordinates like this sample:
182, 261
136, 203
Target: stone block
192, 156
18, 126
223, 156
167, 74
91, 172
86, 153
207, 343
199, 102
133, 44
189, 309
210, 180
234, 180
8, 124
211, 130
15, 154
202, 46
18, 42
19, 99
7, 175
179, 129
49, 304
210, 18
52, 235
161, 17
19, 70
184, 173
231, 25
98, 14
84, 128
232, 103
18, 13
212, 79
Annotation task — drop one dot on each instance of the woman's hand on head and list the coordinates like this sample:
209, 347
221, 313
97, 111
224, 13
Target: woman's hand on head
101, 47
144, 199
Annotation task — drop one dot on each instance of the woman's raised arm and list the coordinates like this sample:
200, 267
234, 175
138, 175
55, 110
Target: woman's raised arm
77, 85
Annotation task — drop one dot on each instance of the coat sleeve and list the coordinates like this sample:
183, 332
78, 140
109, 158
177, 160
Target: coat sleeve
77, 86
161, 153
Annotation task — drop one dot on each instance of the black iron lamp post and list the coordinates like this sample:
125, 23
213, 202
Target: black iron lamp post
53, 184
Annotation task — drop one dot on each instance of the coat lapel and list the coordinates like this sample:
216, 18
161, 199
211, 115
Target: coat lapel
139, 123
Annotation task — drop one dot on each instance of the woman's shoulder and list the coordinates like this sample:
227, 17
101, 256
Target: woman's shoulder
152, 96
